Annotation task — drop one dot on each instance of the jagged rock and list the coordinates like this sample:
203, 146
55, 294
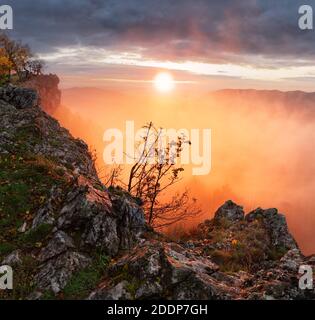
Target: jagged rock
161, 270
46, 214
276, 225
60, 243
311, 260
131, 222
12, 259
292, 260
42, 135
55, 273
118, 292
102, 232
47, 88
115, 230
230, 211
110, 223
20, 98
82, 203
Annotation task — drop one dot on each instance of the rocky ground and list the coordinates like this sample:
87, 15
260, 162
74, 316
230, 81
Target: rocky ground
69, 237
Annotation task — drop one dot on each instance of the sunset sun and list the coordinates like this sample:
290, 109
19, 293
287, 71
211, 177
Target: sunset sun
164, 82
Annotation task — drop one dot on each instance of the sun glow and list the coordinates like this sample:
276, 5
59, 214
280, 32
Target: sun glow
164, 82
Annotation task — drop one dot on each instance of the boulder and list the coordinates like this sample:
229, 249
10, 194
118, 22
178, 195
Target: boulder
59, 244
12, 259
55, 273
230, 211
276, 225
20, 98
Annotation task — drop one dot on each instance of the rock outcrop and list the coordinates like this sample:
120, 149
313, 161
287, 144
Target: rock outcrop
69, 237
276, 225
230, 211
70, 218
232, 256
19, 97
47, 87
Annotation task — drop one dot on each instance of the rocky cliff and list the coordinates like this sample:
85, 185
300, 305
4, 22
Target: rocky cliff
69, 237
47, 87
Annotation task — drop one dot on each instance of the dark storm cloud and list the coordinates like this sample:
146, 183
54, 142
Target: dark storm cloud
188, 29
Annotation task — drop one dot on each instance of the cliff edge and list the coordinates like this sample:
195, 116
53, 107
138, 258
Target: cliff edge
67, 236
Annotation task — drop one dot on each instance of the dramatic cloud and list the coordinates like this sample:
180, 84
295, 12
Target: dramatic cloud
215, 31
257, 40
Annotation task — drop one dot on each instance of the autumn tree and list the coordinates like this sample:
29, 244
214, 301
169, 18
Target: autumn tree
5, 67
22, 61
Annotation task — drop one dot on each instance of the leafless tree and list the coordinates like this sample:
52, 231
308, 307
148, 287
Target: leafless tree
35, 67
113, 177
154, 172
178, 209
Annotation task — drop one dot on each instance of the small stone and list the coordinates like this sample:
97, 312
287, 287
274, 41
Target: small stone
22, 229
12, 259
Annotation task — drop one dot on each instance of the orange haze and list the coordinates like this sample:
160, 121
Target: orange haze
262, 143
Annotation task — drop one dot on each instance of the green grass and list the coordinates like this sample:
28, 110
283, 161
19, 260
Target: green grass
84, 281
25, 184
27, 136
6, 248
277, 253
36, 235
133, 283
81, 284
48, 295
251, 246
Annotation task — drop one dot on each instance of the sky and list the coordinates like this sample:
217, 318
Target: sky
211, 44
